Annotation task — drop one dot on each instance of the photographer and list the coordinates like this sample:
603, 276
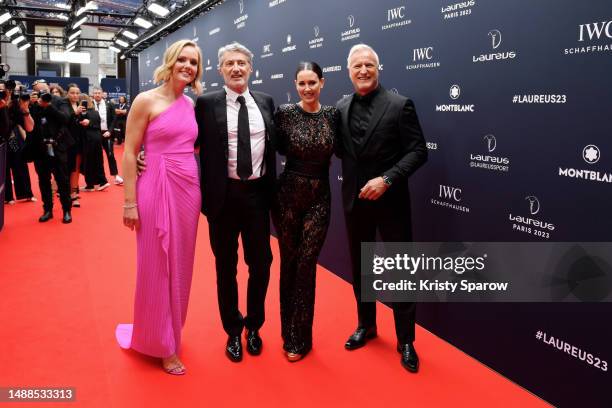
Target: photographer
15, 120
51, 142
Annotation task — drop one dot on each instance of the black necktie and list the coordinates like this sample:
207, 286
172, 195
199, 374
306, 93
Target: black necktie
98, 106
245, 168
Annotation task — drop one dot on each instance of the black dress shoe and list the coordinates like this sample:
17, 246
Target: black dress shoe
67, 219
46, 216
410, 359
234, 348
254, 343
359, 337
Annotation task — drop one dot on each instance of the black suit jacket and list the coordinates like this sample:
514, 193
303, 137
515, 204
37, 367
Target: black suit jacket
211, 116
393, 146
57, 115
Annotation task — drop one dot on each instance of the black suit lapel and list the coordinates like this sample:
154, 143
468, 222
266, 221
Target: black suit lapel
346, 129
221, 118
380, 106
265, 113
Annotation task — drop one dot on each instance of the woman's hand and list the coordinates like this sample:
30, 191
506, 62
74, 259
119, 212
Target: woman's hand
130, 218
84, 122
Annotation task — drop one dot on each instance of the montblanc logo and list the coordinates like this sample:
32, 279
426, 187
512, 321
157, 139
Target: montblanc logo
208, 66
353, 32
592, 33
487, 161
316, 42
454, 93
534, 204
591, 154
214, 31
530, 225
496, 40
456, 10
288, 96
289, 47
195, 34
240, 22
396, 17
266, 51
450, 197
257, 81
422, 59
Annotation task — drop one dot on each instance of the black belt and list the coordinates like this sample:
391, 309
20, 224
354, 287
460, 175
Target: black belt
307, 168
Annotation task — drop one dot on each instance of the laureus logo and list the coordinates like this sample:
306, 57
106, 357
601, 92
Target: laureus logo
591, 154
455, 92
491, 143
534, 204
351, 20
496, 38
316, 31
241, 2
288, 39
117, 89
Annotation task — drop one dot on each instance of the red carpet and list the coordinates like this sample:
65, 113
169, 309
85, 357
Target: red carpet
65, 287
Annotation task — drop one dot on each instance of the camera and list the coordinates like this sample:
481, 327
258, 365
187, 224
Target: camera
3, 94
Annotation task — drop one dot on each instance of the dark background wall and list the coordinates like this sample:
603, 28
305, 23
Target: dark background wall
534, 141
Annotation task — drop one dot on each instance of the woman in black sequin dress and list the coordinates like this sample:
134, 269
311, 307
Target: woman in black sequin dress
306, 132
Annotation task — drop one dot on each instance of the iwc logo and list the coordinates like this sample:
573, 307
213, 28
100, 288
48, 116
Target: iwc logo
422, 58
450, 197
396, 18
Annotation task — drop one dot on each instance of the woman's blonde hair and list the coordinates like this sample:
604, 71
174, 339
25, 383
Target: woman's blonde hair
85, 97
164, 71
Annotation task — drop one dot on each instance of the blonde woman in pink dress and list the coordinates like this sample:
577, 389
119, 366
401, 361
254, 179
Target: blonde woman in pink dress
163, 205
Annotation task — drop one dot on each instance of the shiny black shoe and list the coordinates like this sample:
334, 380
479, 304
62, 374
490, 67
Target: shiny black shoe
67, 219
254, 343
359, 337
233, 350
410, 359
46, 216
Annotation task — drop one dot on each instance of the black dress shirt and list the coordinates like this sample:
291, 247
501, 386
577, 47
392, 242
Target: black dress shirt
360, 115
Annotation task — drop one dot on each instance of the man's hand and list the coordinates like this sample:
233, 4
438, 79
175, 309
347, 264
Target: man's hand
106, 134
24, 106
373, 189
84, 122
141, 164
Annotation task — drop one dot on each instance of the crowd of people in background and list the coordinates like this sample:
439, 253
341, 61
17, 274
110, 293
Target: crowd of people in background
64, 133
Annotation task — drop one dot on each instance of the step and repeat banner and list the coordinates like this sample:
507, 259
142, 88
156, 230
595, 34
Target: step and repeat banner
515, 100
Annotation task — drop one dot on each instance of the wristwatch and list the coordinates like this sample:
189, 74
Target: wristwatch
387, 180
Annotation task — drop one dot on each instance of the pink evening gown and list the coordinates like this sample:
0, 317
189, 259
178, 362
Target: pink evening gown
169, 197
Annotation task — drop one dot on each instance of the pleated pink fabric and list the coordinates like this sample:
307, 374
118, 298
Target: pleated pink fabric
168, 195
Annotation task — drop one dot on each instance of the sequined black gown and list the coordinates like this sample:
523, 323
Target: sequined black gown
301, 214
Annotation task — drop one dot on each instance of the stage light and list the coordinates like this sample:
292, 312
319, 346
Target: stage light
25, 46
70, 48
78, 23
12, 31
72, 44
121, 43
63, 17
5, 17
157, 9
17, 40
74, 35
63, 6
143, 23
122, 57
129, 35
115, 49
